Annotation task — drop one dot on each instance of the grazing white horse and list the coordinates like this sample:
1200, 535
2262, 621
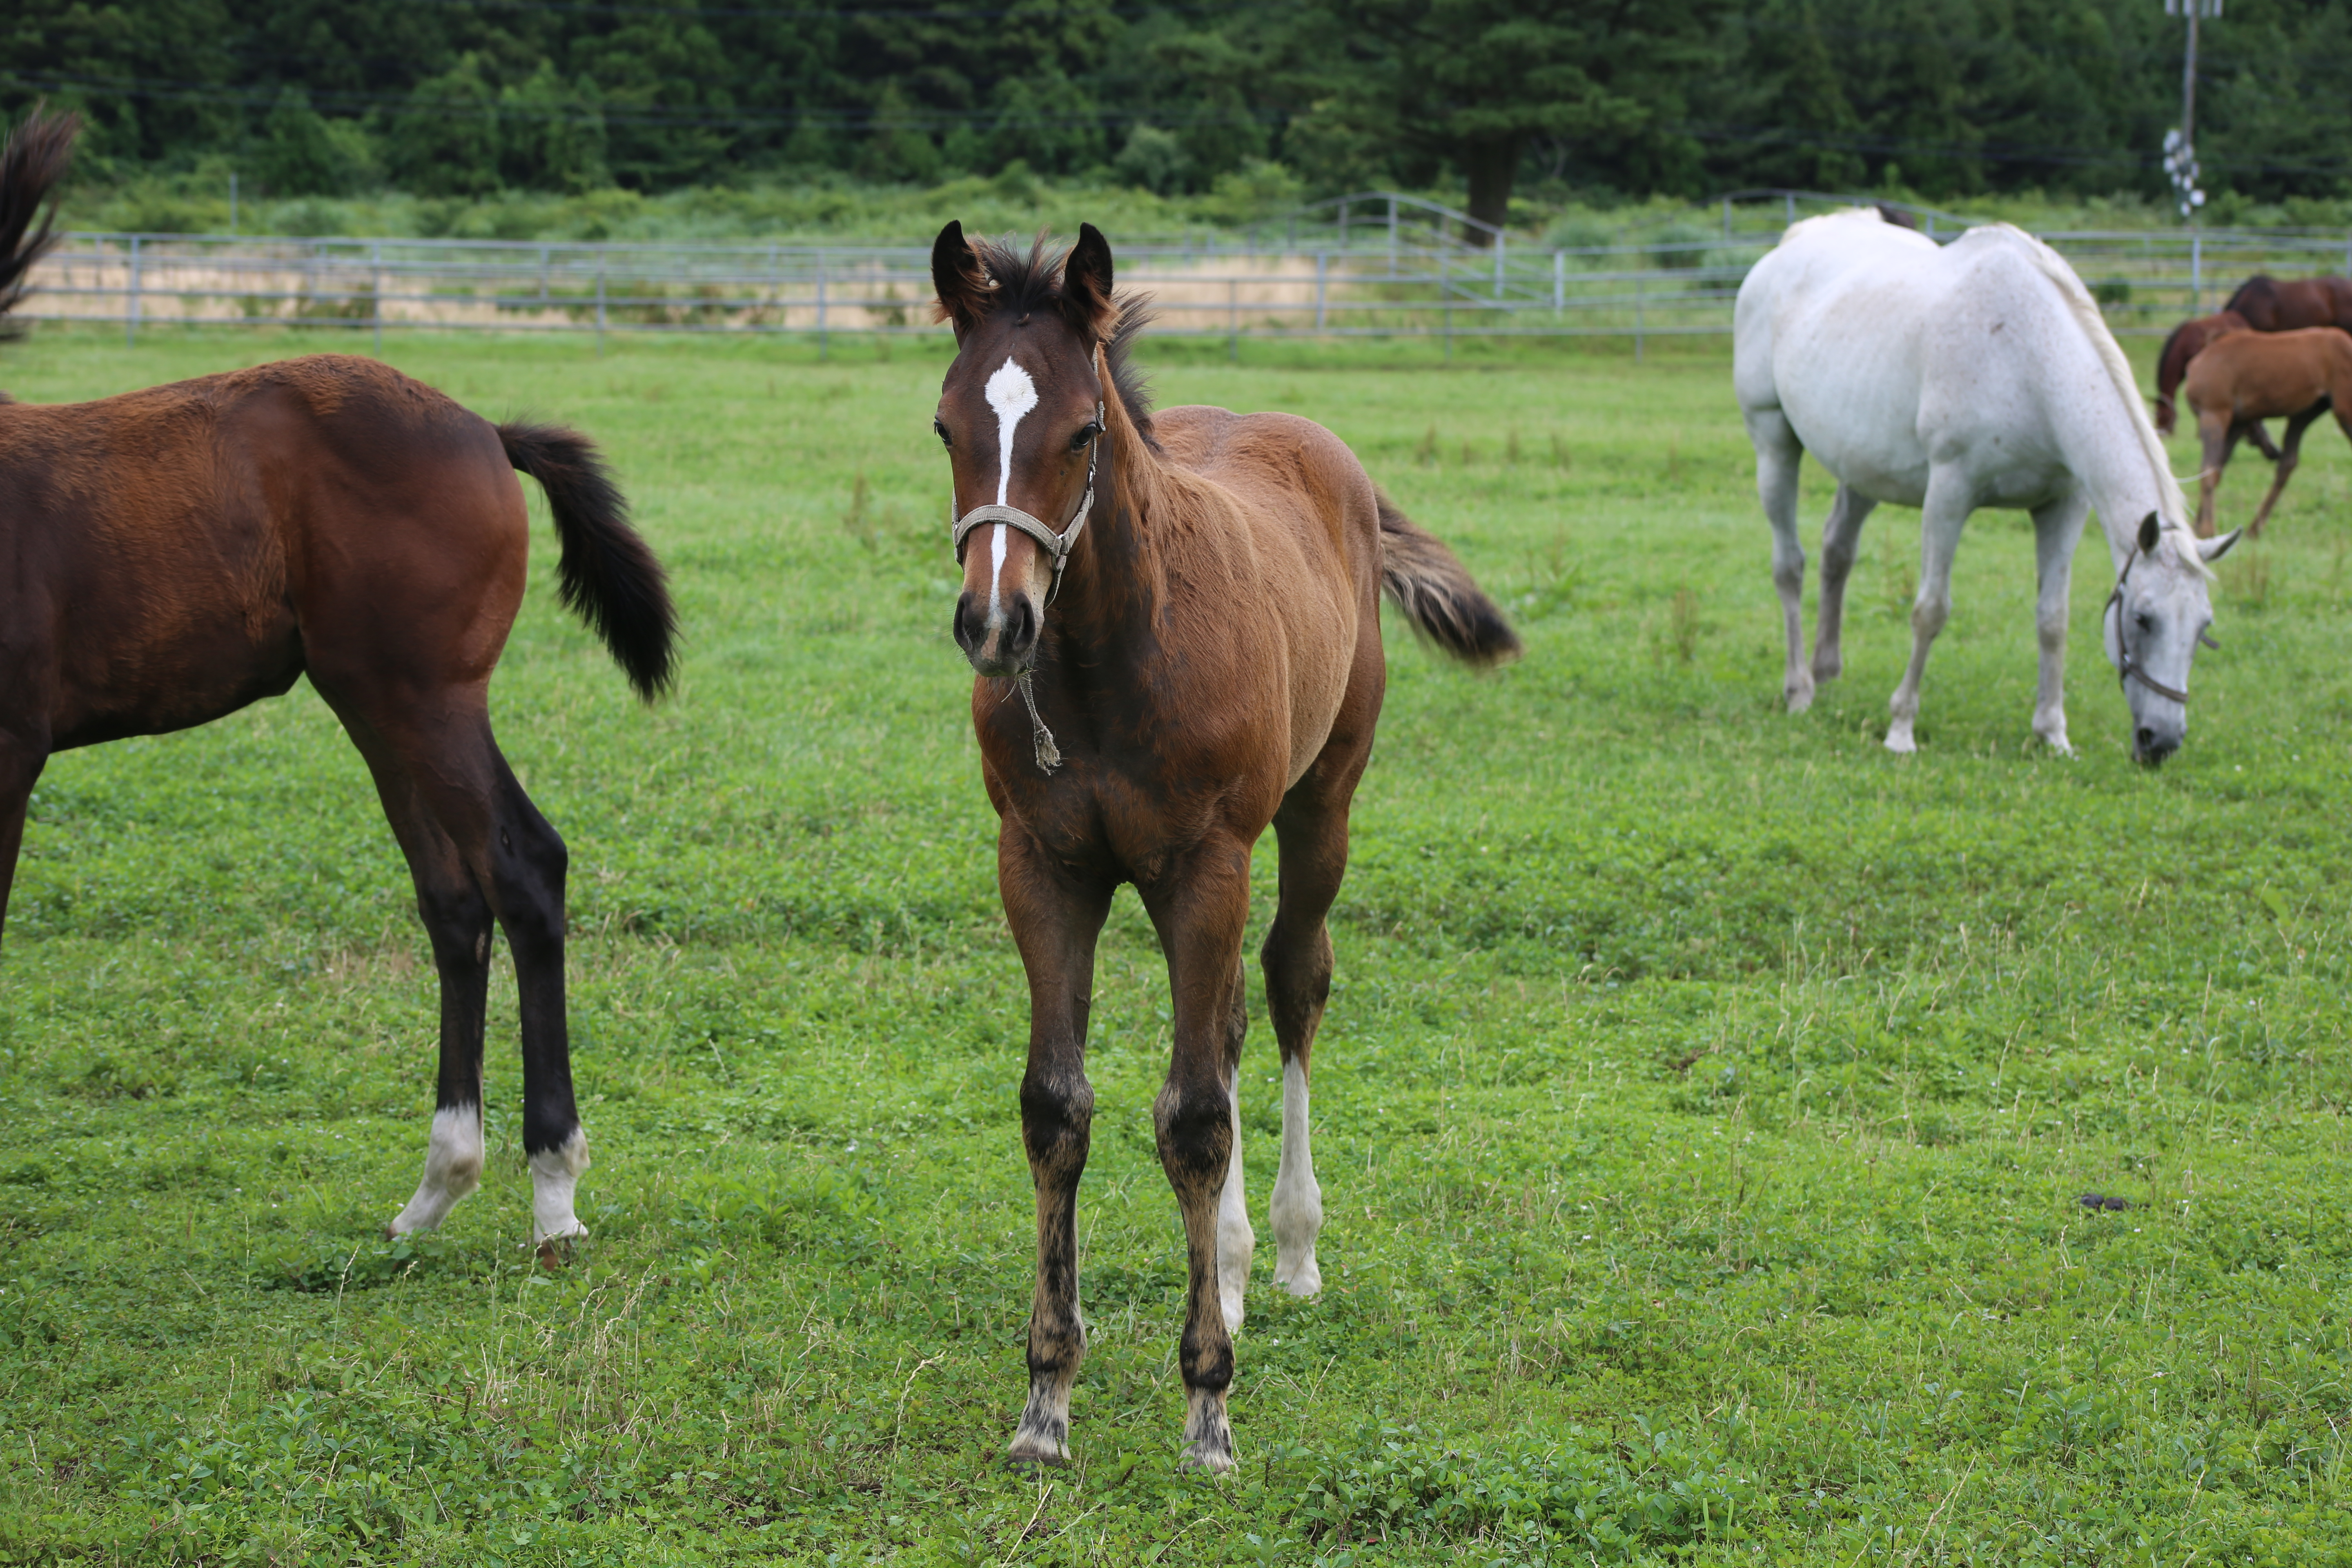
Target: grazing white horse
1949, 378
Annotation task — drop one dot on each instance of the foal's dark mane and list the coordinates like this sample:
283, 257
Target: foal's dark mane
1032, 281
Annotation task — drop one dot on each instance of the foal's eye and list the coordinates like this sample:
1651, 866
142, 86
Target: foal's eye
2145, 621
939, 428
1079, 442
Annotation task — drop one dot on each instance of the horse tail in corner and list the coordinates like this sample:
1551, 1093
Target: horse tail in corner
34, 160
606, 575
1436, 594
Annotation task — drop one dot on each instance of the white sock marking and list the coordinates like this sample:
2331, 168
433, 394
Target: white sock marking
1236, 1240
1298, 1200
453, 1167
554, 1173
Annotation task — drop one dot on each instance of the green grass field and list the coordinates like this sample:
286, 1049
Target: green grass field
1703, 1110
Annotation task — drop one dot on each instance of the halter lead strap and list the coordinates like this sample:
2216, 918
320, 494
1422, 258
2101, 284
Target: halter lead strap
1056, 545
2128, 669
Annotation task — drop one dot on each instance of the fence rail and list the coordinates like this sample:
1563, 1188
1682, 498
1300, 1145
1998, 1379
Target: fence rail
1374, 264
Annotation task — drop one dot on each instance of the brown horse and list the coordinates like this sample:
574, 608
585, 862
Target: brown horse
2188, 341
2271, 306
176, 554
2250, 376
1194, 644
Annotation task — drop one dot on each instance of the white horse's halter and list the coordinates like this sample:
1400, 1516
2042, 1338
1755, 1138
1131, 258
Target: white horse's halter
1058, 546
2128, 669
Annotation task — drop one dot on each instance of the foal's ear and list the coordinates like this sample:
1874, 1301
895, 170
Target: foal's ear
1085, 285
2147, 532
962, 283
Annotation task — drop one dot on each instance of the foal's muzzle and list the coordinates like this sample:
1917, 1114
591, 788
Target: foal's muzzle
1006, 647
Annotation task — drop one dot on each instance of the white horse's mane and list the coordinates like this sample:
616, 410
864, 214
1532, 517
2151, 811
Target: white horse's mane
2173, 511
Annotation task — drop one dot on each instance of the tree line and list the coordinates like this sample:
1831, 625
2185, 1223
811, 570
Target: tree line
1945, 98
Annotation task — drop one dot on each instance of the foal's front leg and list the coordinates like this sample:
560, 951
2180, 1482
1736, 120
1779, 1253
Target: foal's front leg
1056, 922
1200, 912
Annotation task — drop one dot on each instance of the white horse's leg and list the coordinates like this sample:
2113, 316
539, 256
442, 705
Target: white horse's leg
1840, 536
2057, 530
1950, 501
1778, 454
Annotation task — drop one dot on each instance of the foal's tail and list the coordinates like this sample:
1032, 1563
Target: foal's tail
32, 163
607, 574
1436, 594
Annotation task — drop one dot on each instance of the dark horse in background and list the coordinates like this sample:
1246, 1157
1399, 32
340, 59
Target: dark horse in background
176, 554
1174, 619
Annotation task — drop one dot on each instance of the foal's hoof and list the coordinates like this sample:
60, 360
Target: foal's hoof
1032, 1450
1209, 1458
1798, 698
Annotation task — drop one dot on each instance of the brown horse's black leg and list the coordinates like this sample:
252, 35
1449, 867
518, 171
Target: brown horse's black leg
2289, 454
1200, 911
1056, 922
462, 787
20, 768
457, 926
2260, 437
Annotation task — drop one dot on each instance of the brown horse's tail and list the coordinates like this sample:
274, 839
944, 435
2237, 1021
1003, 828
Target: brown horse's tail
1436, 594
607, 574
30, 166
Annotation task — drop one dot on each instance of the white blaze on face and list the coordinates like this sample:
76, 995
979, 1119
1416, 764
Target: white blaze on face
1012, 393
453, 1167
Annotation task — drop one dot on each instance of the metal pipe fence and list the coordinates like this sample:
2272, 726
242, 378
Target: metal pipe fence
1374, 265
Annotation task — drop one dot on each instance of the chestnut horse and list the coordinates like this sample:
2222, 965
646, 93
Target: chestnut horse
176, 554
1187, 651
2187, 342
2250, 377
2270, 306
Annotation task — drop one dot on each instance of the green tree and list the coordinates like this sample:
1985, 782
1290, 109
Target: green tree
551, 133
302, 155
1475, 82
445, 142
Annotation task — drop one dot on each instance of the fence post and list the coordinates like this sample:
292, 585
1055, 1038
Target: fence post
1393, 237
1498, 263
1641, 283
1789, 206
600, 301
375, 291
823, 340
2196, 274
1559, 281
131, 307
1322, 266
1232, 321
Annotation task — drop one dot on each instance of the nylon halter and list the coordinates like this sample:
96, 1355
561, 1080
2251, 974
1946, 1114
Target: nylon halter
2128, 669
1056, 545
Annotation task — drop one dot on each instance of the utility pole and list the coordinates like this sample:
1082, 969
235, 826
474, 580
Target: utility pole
2180, 146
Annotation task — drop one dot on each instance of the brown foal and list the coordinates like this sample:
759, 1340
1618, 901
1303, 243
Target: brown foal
2247, 377
1175, 623
176, 554
2185, 343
